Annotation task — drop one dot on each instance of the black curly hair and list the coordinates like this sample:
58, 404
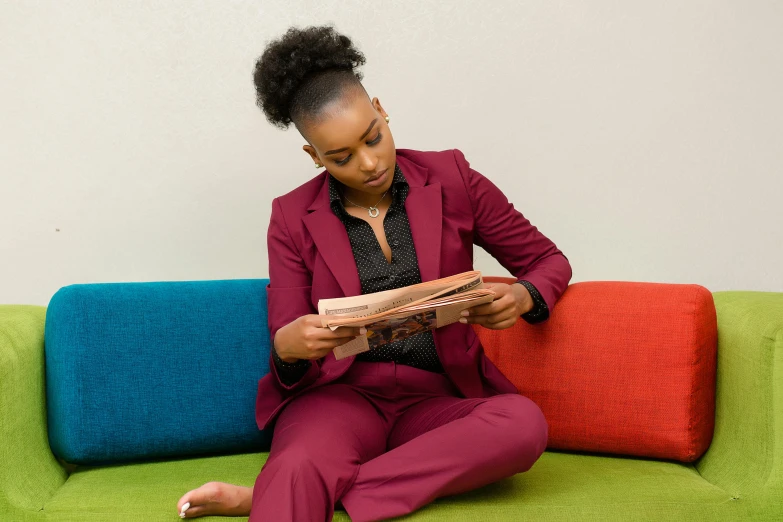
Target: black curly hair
303, 71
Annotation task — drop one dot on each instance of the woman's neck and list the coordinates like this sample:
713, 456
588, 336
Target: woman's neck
359, 198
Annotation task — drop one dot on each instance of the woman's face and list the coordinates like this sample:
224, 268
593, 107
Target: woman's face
353, 142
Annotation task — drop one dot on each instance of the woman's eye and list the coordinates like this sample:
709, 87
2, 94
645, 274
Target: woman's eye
374, 141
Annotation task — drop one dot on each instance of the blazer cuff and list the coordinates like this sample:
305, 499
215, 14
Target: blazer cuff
289, 373
540, 311
287, 383
550, 277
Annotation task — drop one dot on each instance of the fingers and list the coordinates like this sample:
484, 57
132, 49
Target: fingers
501, 302
498, 320
492, 322
317, 348
496, 325
493, 308
324, 332
315, 336
331, 344
346, 331
485, 309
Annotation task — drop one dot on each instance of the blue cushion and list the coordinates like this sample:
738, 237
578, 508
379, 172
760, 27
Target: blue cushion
144, 370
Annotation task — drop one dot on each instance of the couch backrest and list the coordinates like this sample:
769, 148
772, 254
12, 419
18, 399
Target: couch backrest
620, 367
143, 370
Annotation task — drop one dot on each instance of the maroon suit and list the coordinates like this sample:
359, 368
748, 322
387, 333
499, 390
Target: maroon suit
450, 208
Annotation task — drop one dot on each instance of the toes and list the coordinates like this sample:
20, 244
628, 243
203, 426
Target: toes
195, 511
215, 498
192, 498
185, 499
199, 496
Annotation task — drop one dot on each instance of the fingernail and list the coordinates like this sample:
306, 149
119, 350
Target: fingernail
185, 506
464, 313
362, 331
182, 515
463, 321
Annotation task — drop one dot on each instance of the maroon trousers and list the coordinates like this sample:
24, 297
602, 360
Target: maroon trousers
386, 439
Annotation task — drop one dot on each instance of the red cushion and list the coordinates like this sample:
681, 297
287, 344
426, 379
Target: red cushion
619, 367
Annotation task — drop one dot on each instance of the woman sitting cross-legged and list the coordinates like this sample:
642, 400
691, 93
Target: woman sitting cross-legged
385, 432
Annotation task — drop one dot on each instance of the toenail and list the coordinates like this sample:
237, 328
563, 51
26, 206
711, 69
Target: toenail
185, 506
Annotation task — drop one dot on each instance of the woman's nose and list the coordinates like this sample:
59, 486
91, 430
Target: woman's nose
368, 162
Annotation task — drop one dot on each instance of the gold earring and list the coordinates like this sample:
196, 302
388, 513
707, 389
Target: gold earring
318, 165
387, 119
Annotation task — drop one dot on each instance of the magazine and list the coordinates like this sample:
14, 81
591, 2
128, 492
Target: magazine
394, 315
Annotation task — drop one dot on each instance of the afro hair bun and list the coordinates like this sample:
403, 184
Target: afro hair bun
288, 61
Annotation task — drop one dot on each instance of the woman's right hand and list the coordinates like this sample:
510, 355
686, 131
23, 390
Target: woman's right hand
305, 338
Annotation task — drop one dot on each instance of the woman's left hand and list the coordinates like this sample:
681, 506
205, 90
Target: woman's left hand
510, 302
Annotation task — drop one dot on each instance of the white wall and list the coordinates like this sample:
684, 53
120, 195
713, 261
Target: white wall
644, 138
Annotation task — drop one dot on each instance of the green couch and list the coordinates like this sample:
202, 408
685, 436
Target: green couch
740, 477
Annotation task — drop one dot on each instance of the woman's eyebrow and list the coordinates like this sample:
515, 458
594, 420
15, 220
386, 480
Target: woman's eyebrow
335, 151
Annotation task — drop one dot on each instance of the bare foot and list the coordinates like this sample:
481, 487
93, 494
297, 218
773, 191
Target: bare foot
216, 498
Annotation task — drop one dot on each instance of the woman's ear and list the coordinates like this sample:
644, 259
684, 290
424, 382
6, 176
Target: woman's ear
310, 150
378, 107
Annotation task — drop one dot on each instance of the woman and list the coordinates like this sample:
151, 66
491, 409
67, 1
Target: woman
385, 432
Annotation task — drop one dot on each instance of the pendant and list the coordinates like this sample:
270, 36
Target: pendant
373, 212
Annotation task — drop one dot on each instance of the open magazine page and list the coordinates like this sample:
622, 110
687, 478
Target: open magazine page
403, 312
443, 305
377, 298
379, 302
342, 311
401, 325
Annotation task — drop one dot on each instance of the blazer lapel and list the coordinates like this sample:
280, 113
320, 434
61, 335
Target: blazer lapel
332, 241
424, 207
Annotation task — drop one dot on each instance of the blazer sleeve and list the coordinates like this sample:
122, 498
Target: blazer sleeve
510, 238
288, 292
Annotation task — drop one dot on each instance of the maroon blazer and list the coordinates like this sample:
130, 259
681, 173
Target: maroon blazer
450, 208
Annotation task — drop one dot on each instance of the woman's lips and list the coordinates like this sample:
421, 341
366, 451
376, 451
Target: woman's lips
380, 180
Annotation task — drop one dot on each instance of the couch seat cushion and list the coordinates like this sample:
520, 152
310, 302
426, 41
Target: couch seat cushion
560, 486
